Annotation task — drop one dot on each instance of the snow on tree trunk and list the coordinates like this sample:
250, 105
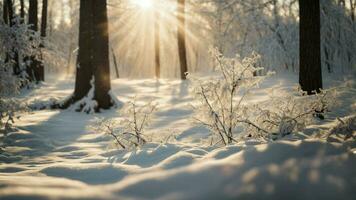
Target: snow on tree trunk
93, 58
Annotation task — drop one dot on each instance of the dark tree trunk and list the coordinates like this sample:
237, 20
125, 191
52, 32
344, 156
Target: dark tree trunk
100, 54
352, 9
5, 12
157, 46
93, 56
44, 18
181, 39
310, 76
115, 63
84, 71
9, 19
22, 10
33, 71
10, 10
41, 73
33, 15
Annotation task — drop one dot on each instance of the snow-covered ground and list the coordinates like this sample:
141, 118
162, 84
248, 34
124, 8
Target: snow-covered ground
55, 156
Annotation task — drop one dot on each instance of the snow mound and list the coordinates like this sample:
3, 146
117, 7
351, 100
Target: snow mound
54, 156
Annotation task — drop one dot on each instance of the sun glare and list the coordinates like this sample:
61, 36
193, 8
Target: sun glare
145, 4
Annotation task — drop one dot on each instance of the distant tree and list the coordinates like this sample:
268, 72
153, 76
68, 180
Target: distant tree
310, 76
93, 71
352, 9
22, 10
10, 12
181, 39
115, 63
50, 17
5, 12
157, 45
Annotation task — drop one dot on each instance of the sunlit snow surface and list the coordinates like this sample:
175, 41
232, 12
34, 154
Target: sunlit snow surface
54, 156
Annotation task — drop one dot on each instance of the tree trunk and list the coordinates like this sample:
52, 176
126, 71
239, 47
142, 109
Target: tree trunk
352, 9
181, 39
101, 54
84, 72
41, 75
310, 76
157, 46
33, 71
9, 19
93, 69
10, 10
44, 18
33, 15
22, 10
5, 12
115, 63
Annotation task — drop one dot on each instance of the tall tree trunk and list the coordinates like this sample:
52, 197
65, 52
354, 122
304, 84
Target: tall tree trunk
10, 10
41, 72
115, 63
181, 39
157, 45
352, 9
93, 68
33, 71
33, 15
44, 18
22, 9
310, 76
84, 71
9, 19
5, 12
101, 54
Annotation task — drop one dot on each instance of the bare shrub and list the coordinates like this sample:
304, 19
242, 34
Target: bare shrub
129, 130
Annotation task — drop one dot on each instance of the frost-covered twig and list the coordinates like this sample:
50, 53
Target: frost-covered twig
220, 108
129, 130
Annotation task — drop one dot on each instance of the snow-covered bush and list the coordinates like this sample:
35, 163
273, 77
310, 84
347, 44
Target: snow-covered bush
129, 130
282, 115
345, 128
18, 42
9, 106
221, 108
220, 96
9, 84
